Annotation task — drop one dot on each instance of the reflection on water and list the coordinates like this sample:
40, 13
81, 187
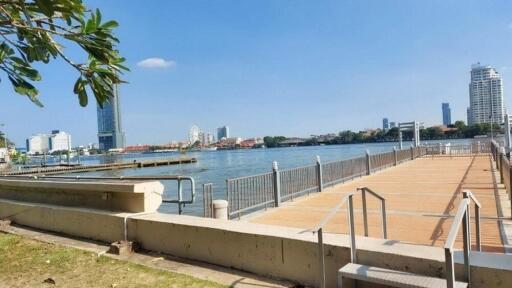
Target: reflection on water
217, 166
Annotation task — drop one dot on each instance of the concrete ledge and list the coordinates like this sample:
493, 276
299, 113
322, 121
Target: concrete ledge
271, 251
127, 196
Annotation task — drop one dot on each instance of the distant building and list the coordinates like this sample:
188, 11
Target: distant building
4, 155
485, 96
110, 132
222, 132
59, 141
47, 143
385, 124
447, 114
392, 125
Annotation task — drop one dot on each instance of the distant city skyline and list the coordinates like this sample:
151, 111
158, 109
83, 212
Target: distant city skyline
305, 68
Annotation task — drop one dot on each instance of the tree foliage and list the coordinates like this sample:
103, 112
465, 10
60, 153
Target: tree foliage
33, 31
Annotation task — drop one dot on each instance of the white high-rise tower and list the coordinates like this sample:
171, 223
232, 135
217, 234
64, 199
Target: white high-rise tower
485, 96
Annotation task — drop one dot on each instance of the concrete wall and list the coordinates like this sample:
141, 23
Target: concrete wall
278, 252
126, 196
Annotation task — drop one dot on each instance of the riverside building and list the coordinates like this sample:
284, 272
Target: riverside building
110, 132
485, 96
447, 114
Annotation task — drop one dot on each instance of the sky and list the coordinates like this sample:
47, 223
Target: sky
292, 68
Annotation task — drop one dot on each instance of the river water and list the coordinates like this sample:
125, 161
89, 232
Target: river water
217, 166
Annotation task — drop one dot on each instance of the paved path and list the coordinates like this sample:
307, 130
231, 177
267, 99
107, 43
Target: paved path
421, 198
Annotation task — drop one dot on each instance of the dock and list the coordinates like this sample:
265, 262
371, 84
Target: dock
66, 169
422, 197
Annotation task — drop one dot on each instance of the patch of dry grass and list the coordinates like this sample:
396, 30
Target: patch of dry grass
27, 263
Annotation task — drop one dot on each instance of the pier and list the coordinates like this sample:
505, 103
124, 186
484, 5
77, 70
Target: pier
422, 197
66, 169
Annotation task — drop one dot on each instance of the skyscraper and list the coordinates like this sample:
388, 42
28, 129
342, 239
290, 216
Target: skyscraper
110, 132
485, 96
447, 114
222, 132
385, 124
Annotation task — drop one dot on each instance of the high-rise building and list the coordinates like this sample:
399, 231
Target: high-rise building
38, 144
59, 141
385, 124
485, 96
110, 132
222, 132
447, 114
47, 143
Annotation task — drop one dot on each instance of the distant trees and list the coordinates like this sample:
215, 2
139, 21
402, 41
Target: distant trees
273, 141
458, 130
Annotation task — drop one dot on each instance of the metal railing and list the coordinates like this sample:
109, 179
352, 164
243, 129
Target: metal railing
502, 161
208, 200
381, 161
342, 171
471, 149
299, 181
247, 194
351, 224
462, 217
180, 201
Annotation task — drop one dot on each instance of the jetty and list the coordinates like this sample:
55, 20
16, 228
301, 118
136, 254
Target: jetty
66, 169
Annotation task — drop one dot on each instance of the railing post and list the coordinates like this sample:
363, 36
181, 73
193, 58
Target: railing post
412, 152
319, 174
365, 212
368, 164
510, 188
277, 184
396, 156
500, 156
466, 245
450, 268
321, 257
351, 224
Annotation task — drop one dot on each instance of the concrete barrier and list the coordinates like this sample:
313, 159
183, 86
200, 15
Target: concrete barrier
121, 196
279, 252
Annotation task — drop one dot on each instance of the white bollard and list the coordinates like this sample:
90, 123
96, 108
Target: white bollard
220, 209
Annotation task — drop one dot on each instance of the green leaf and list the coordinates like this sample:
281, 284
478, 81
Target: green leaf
45, 6
109, 25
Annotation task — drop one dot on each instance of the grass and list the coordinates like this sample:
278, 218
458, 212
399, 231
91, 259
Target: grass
27, 263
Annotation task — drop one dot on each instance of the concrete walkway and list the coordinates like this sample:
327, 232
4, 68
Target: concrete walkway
422, 197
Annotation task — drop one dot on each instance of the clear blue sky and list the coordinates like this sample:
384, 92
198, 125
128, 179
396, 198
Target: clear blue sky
290, 68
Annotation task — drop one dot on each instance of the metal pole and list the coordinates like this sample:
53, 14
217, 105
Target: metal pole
508, 141
510, 188
368, 164
412, 152
353, 254
465, 239
396, 156
400, 137
277, 184
321, 258
450, 269
384, 218
319, 174
180, 196
365, 212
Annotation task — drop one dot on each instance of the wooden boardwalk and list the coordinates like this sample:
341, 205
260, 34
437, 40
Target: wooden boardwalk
421, 198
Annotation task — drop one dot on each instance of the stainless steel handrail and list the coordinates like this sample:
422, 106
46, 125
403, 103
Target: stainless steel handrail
365, 213
351, 224
181, 203
469, 194
462, 217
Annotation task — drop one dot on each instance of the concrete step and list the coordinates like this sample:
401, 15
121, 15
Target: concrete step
391, 277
